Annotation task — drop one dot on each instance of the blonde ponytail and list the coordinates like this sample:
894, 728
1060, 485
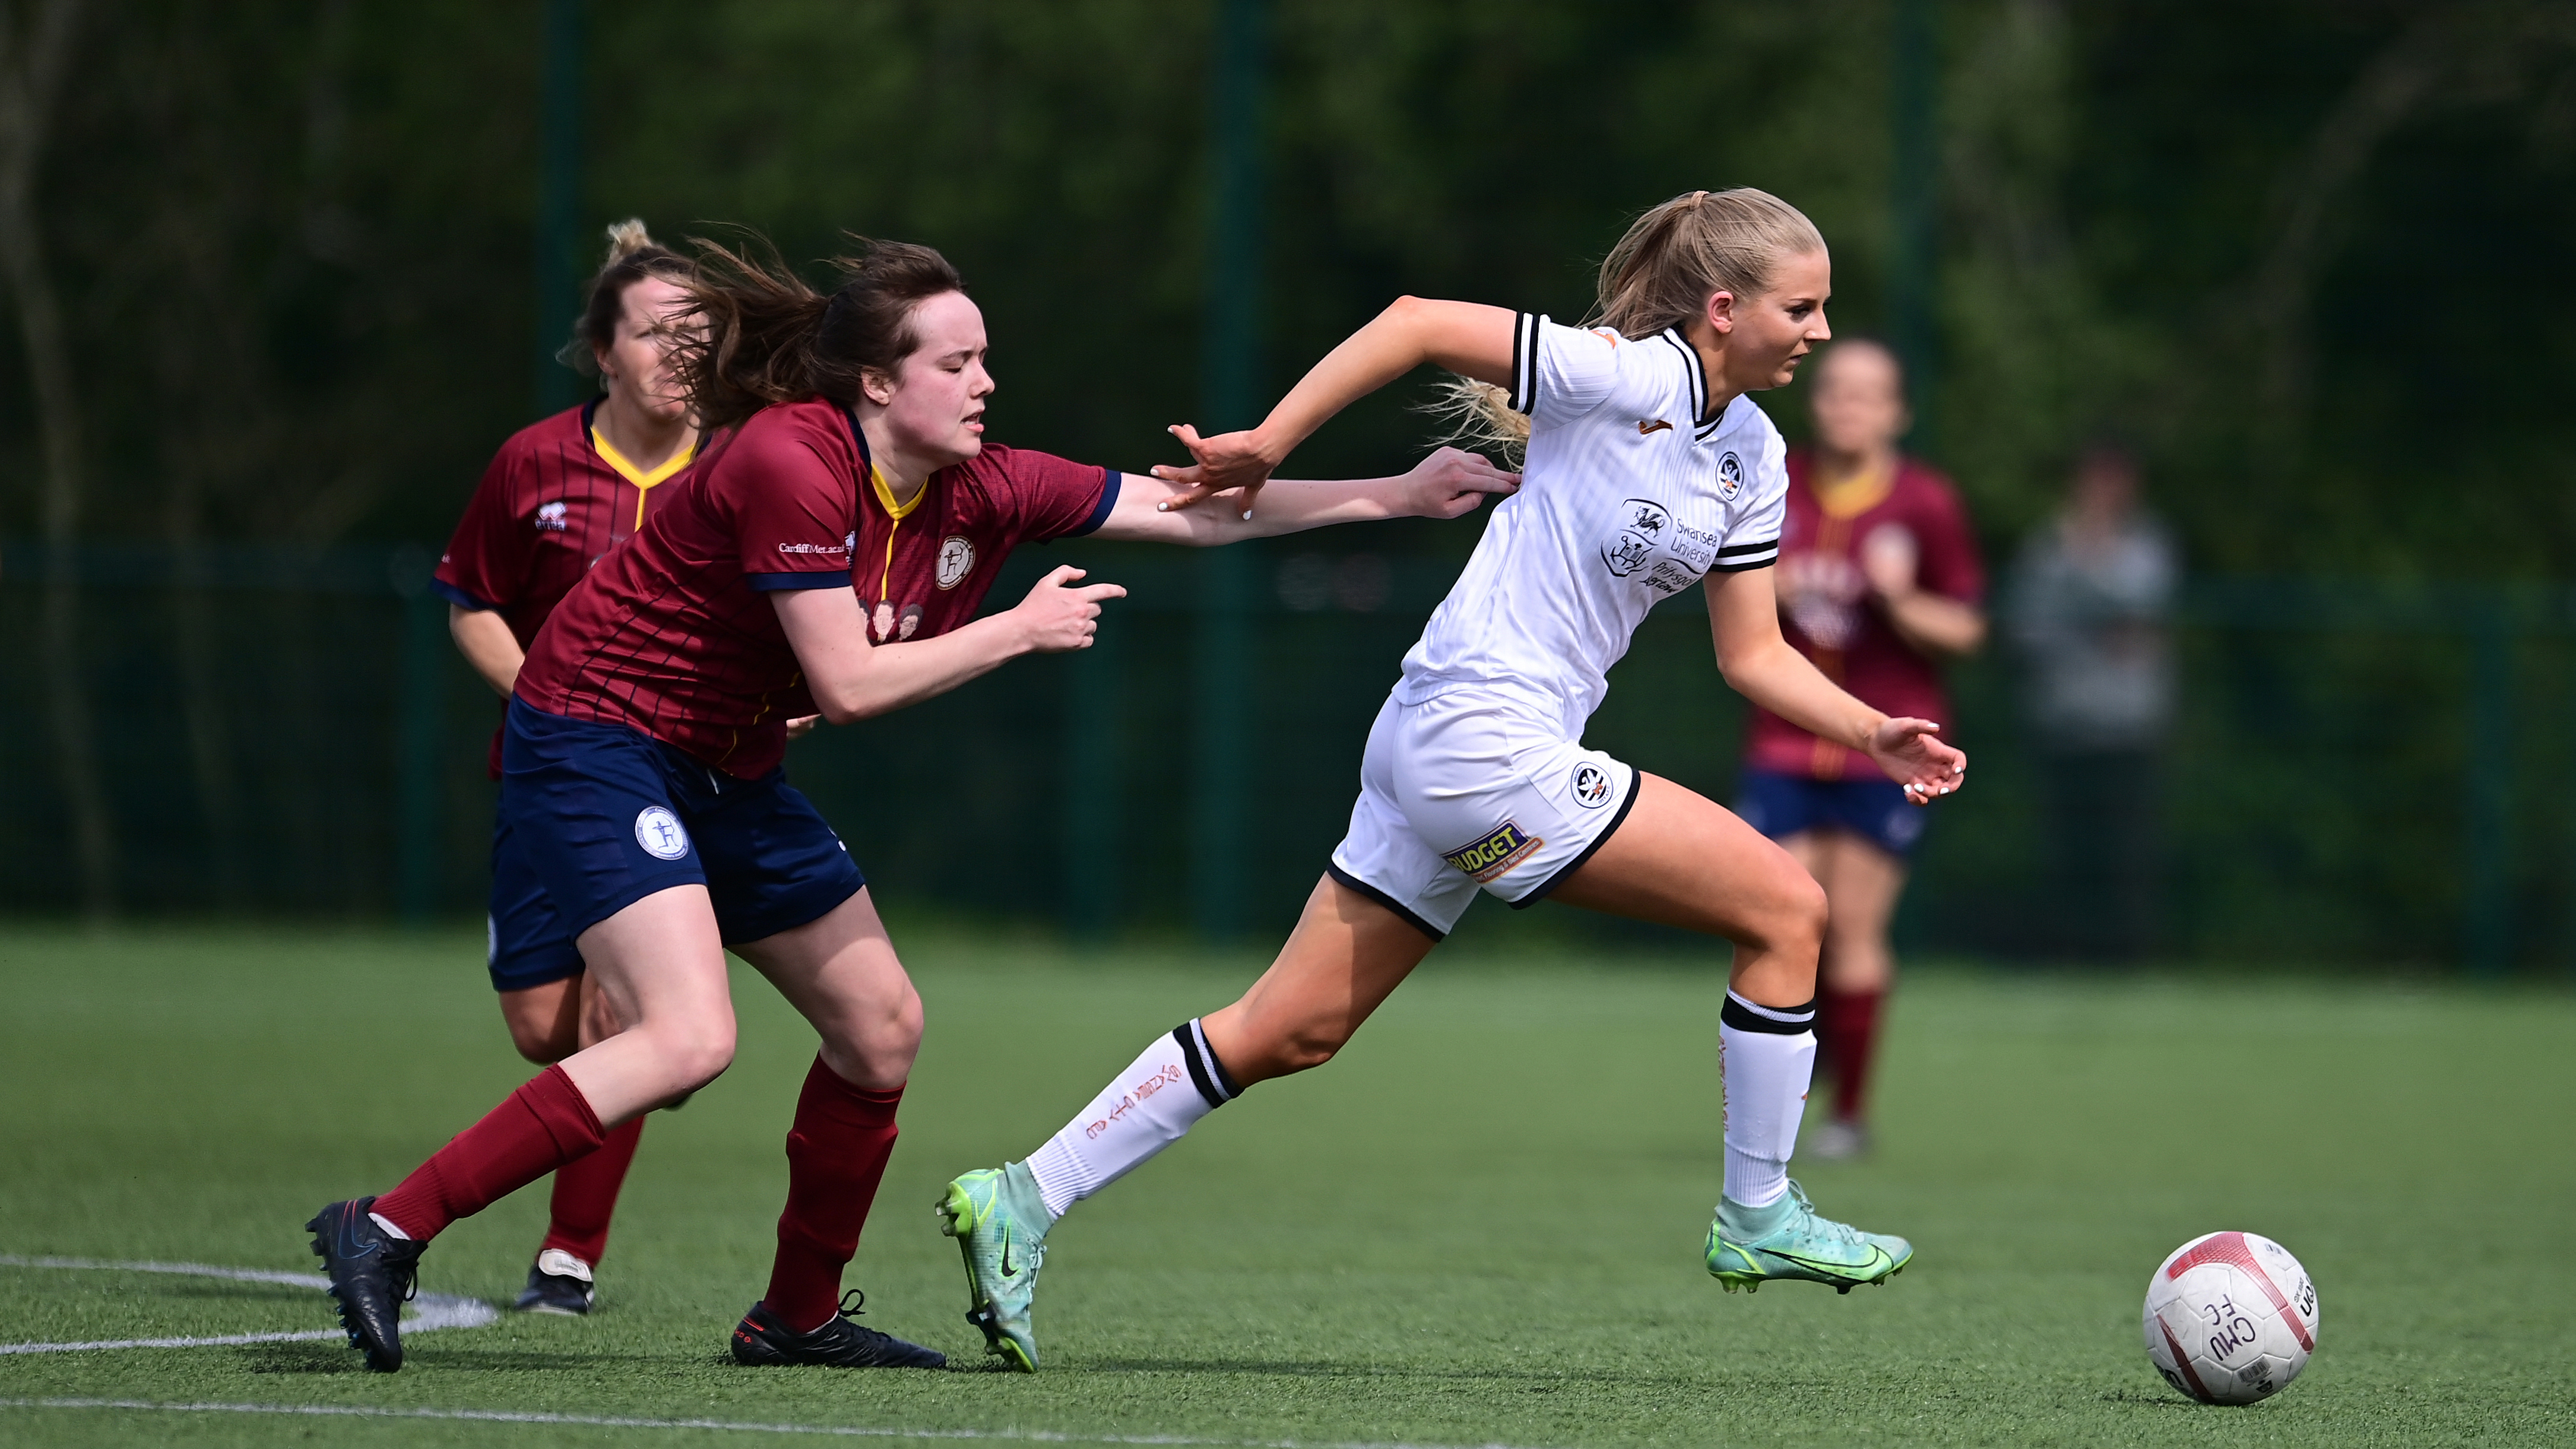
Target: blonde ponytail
1478, 416
1659, 275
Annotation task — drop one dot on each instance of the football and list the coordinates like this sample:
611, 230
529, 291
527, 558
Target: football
2231, 1318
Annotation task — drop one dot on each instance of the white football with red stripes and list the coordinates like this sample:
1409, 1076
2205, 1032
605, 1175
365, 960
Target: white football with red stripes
2231, 1318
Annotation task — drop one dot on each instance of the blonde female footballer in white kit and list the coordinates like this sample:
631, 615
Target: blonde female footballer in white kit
1648, 471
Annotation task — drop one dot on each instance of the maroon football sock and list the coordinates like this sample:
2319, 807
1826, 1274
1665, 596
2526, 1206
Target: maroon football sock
1847, 1034
836, 1152
586, 1193
540, 1127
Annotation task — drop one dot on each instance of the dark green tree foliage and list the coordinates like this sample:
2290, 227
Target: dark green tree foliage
2308, 254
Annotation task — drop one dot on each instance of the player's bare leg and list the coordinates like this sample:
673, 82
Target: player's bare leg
660, 967
1682, 860
548, 1022
841, 972
1862, 884
1346, 955
545, 1020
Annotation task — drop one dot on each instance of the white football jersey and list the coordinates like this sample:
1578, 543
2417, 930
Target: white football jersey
1626, 499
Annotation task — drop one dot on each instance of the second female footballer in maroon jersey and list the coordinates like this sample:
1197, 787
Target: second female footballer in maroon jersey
556, 499
642, 761
1879, 581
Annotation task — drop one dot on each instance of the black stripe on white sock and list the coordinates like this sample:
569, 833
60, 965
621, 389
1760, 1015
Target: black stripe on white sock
1743, 1015
1206, 1072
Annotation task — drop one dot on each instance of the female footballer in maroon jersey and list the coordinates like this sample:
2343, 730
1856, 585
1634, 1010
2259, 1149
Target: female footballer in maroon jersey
826, 556
1878, 580
558, 495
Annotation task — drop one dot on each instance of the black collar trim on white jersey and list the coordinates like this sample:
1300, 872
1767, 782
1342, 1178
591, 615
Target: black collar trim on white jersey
1698, 376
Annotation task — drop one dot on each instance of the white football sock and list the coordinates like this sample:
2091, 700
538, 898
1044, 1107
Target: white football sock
1769, 1055
1143, 1110
386, 1223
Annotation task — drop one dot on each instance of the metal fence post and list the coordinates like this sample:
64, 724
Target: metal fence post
420, 702
2487, 811
1221, 715
1914, 78
1093, 829
558, 273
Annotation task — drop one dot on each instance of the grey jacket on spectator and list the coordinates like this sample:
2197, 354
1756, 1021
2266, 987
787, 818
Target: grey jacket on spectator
2087, 609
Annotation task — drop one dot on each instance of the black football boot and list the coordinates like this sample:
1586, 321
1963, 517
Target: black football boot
760, 1340
373, 1274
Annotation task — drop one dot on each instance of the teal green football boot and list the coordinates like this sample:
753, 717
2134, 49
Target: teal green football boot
999, 1220
1748, 1247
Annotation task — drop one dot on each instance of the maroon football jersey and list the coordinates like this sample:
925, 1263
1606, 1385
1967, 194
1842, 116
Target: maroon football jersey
554, 499
1829, 615
670, 636
548, 507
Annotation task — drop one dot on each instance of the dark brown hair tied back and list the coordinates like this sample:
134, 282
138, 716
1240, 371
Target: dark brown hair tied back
770, 337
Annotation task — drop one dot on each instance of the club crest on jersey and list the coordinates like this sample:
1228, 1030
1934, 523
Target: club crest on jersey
554, 517
1590, 786
1495, 853
956, 560
1642, 524
1730, 475
660, 833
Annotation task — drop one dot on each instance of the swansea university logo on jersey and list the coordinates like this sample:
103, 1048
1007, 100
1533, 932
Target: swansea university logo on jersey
1494, 853
1642, 524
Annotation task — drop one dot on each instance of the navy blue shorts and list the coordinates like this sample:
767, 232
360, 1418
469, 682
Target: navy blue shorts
1781, 805
605, 817
527, 944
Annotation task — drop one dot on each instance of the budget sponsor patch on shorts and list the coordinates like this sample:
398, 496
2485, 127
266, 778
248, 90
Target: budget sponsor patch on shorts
1494, 853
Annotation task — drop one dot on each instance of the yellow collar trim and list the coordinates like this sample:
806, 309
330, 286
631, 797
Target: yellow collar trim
885, 494
638, 476
1857, 494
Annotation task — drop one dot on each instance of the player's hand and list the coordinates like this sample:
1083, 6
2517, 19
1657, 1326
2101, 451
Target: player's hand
1914, 755
1452, 483
803, 725
1233, 463
1887, 559
1062, 612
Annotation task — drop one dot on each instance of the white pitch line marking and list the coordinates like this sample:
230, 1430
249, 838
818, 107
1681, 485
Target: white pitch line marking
435, 1310
613, 1421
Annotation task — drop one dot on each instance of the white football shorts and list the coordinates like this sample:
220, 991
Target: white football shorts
1462, 791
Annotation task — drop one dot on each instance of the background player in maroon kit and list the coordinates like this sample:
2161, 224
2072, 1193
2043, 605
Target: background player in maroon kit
826, 557
1878, 578
558, 495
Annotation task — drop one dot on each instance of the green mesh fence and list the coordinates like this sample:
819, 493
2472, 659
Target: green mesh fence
2360, 774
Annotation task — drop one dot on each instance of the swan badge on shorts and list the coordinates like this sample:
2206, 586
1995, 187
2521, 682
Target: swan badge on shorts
1494, 854
1590, 786
660, 833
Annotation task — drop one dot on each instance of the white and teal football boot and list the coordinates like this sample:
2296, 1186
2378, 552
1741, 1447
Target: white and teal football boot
1000, 1221
1748, 1247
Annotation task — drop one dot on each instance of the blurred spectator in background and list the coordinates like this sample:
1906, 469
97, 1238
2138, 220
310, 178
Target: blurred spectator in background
2090, 597
1878, 579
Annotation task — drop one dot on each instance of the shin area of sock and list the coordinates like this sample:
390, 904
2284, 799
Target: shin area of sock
1847, 1039
1770, 1058
836, 1155
536, 1129
1144, 1109
585, 1194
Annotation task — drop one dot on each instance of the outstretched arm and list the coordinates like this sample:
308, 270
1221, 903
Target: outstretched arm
1744, 619
852, 679
1448, 484
1468, 338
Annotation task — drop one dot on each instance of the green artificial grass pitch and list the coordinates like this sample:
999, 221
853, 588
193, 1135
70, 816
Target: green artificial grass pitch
1481, 1225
